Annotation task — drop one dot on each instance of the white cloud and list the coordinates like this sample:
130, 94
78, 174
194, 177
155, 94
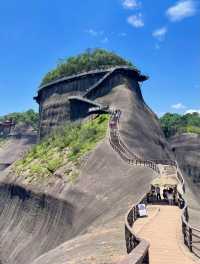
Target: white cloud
190, 111
94, 33
105, 40
160, 33
131, 4
178, 106
136, 20
181, 10
123, 34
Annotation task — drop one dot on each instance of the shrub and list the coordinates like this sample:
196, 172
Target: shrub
87, 61
54, 164
68, 143
29, 117
176, 124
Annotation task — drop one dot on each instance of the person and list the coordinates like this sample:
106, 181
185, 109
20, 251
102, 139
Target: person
170, 197
165, 194
153, 193
158, 196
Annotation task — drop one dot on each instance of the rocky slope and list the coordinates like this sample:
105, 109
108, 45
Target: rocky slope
14, 147
186, 148
70, 223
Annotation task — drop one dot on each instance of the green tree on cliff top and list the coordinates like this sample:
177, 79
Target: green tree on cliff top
90, 60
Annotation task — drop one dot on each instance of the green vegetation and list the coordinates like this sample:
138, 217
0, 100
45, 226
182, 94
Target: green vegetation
173, 124
65, 147
87, 61
29, 117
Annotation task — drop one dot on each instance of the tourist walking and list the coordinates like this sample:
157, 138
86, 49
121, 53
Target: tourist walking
158, 196
170, 197
165, 194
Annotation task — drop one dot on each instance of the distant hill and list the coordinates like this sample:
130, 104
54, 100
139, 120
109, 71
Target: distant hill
29, 118
174, 124
92, 59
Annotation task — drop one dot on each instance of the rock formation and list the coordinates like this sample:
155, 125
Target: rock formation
62, 100
82, 223
186, 148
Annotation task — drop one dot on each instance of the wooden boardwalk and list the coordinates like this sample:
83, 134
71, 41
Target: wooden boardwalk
163, 231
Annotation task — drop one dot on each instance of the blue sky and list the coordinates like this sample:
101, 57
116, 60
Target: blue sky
162, 38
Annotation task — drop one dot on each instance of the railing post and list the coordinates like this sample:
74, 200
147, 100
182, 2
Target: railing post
184, 233
186, 214
146, 259
190, 239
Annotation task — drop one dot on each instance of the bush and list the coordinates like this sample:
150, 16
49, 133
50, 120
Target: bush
29, 117
54, 164
68, 143
173, 124
87, 61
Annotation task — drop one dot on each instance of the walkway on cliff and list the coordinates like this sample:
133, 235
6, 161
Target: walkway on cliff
163, 232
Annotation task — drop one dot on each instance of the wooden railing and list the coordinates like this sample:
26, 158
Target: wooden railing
92, 72
137, 248
119, 146
191, 235
166, 162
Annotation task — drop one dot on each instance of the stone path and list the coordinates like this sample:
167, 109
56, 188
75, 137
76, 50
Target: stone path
163, 231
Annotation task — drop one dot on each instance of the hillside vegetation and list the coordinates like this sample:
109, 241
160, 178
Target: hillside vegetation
87, 61
173, 124
64, 148
29, 117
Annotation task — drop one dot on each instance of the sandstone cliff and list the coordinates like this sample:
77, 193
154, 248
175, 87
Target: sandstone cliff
186, 148
83, 222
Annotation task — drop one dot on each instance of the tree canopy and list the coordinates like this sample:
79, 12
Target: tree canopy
29, 117
91, 59
173, 124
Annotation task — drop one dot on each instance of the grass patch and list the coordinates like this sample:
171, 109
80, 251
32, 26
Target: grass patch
67, 144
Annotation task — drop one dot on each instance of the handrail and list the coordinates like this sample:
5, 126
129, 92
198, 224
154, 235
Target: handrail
93, 87
137, 248
166, 162
189, 232
113, 70
140, 254
132, 158
85, 73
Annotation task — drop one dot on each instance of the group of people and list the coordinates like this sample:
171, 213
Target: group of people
168, 194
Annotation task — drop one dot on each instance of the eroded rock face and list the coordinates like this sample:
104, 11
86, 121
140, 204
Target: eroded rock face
31, 223
186, 148
16, 146
55, 107
53, 99
38, 228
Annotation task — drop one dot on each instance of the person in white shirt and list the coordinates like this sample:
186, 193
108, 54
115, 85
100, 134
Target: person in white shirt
170, 197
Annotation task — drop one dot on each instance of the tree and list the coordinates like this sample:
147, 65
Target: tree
87, 61
29, 117
175, 124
